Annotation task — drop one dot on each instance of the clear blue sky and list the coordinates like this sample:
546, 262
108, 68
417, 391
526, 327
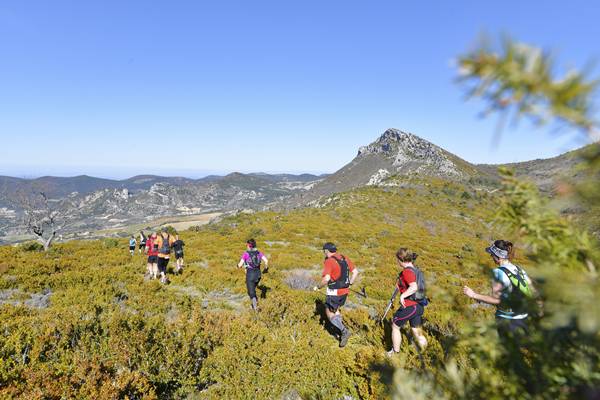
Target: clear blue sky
117, 88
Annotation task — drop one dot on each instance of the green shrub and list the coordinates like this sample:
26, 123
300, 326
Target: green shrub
111, 243
32, 246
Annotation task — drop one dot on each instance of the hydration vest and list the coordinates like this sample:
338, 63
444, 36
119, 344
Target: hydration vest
517, 300
343, 281
254, 260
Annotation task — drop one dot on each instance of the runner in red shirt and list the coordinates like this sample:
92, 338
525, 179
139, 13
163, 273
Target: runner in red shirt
410, 310
338, 274
152, 251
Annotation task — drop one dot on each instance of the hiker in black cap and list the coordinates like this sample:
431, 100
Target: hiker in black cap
338, 274
511, 290
142, 241
251, 261
178, 248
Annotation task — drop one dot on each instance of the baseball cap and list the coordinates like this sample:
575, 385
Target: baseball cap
330, 247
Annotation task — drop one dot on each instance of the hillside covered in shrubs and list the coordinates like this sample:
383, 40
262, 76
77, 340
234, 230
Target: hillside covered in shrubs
103, 331
82, 321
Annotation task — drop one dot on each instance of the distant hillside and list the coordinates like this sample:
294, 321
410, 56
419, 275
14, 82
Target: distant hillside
545, 172
92, 204
61, 187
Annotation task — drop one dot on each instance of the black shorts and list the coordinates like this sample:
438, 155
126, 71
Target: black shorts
411, 314
152, 259
131, 248
162, 264
178, 255
515, 328
333, 303
142, 245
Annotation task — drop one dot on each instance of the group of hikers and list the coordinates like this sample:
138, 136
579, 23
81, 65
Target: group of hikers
511, 286
511, 290
158, 247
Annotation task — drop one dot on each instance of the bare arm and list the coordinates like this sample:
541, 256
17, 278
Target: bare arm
412, 289
354, 275
266, 261
324, 281
241, 263
494, 299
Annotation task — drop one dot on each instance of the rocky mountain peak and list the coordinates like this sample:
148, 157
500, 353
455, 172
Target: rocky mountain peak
410, 153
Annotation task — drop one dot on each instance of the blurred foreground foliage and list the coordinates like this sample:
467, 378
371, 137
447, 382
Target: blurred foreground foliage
560, 358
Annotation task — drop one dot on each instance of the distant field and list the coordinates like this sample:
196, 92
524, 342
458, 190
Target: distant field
180, 223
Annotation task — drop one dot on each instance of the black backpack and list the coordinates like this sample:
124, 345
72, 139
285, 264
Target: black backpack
254, 260
343, 281
420, 295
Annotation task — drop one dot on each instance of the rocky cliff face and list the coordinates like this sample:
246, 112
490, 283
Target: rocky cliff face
409, 153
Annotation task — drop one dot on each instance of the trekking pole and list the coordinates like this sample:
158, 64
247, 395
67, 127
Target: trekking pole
362, 292
391, 302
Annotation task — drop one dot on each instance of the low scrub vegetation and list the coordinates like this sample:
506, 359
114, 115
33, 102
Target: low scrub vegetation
106, 332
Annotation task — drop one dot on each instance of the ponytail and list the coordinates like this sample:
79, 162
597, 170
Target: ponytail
406, 256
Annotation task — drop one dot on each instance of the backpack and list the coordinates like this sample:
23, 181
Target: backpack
519, 282
518, 300
419, 296
165, 248
254, 261
343, 281
178, 246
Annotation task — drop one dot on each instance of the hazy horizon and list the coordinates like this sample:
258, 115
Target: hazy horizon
121, 174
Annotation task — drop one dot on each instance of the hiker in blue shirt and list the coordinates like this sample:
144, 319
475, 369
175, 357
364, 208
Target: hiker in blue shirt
132, 243
511, 291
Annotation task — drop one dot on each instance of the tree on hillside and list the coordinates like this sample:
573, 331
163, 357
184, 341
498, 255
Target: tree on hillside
41, 219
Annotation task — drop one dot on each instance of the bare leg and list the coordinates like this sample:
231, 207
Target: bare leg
419, 337
396, 338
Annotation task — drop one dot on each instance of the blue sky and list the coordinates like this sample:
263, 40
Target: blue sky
118, 88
